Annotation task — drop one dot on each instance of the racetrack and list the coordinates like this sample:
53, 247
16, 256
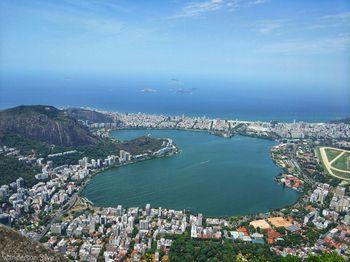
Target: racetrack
328, 164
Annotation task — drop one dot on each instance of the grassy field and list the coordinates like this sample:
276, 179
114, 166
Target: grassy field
332, 153
341, 174
341, 162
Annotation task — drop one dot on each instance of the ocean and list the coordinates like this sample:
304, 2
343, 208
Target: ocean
212, 175
163, 95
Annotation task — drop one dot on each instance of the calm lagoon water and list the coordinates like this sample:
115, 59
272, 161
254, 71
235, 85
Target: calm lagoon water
211, 175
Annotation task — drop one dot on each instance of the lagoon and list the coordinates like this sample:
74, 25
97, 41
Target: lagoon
212, 175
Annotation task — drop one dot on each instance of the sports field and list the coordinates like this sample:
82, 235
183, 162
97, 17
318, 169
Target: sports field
336, 162
332, 153
279, 222
342, 162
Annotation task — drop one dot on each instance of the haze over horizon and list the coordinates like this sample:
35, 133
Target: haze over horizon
289, 46
175, 130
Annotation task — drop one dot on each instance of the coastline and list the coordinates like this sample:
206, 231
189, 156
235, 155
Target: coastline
295, 157
285, 118
249, 214
233, 128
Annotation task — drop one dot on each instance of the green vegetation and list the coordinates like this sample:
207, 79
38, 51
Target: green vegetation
15, 247
341, 174
42, 130
186, 249
89, 115
11, 169
44, 218
328, 257
341, 162
29, 146
337, 173
318, 155
332, 153
107, 147
44, 124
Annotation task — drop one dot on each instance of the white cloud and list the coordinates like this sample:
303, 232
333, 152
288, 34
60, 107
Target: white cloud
332, 21
81, 17
257, 2
266, 27
322, 45
344, 16
89, 24
269, 27
197, 8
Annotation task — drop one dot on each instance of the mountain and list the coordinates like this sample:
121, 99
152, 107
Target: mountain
89, 115
15, 247
141, 145
45, 124
45, 130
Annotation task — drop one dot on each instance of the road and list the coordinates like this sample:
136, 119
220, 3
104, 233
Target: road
60, 212
300, 171
57, 215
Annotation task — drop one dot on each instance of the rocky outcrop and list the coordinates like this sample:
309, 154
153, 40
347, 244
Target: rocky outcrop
90, 115
45, 124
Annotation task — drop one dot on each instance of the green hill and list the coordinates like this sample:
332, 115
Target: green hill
45, 124
89, 115
15, 247
42, 130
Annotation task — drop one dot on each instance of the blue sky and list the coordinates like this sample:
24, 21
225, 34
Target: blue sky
304, 42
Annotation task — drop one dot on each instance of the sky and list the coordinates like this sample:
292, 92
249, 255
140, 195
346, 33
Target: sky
303, 42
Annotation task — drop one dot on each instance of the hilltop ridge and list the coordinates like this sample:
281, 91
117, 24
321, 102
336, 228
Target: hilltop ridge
89, 115
15, 247
45, 124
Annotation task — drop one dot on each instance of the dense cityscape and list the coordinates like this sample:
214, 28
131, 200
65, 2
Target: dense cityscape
52, 212
296, 130
174, 131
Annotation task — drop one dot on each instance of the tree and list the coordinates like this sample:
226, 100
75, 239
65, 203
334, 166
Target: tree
148, 257
290, 258
326, 257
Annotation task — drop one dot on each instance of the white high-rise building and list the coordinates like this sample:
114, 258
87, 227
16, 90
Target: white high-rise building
340, 191
124, 156
148, 209
144, 224
199, 219
119, 210
131, 222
